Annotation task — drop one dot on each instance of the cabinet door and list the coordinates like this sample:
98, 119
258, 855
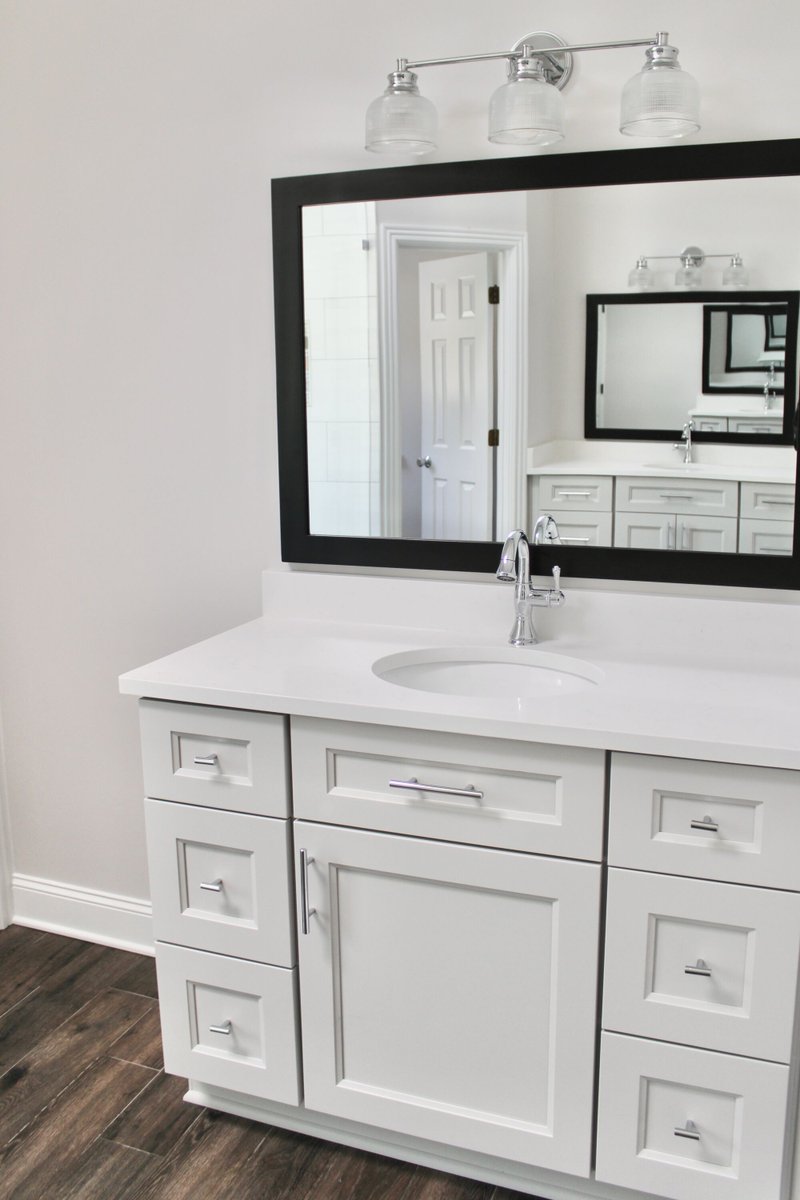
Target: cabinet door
448, 992
716, 535
644, 531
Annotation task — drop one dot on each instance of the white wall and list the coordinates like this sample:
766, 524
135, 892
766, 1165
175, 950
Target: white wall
138, 480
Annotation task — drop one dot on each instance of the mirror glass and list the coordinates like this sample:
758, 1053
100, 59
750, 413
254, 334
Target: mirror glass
431, 333
655, 362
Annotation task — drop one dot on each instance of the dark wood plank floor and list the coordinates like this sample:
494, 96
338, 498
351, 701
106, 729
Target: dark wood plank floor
87, 1113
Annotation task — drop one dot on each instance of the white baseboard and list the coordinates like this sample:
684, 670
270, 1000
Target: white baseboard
85, 913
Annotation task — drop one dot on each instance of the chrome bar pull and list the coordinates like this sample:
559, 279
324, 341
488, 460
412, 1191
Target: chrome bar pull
306, 913
216, 885
226, 1029
689, 1130
413, 785
706, 824
205, 760
701, 967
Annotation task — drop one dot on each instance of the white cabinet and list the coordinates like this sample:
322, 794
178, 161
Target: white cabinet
670, 514
767, 518
446, 992
581, 504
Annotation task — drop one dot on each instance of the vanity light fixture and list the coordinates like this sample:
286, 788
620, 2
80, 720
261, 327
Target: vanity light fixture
690, 272
661, 100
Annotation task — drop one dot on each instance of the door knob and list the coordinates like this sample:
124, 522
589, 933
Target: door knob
424, 462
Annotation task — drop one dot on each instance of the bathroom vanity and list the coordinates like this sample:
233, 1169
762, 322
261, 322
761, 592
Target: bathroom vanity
527, 915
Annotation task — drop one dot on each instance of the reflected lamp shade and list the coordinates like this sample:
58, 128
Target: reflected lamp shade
526, 111
662, 100
642, 277
735, 274
401, 120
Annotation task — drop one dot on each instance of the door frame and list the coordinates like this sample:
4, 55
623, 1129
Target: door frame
512, 360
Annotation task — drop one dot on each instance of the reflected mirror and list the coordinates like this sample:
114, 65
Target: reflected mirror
432, 336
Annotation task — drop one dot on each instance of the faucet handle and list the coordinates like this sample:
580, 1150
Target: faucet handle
557, 578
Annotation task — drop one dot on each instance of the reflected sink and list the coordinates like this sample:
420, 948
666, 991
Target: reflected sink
692, 468
510, 672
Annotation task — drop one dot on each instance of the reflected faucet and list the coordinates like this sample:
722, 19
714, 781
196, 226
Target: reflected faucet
685, 444
515, 567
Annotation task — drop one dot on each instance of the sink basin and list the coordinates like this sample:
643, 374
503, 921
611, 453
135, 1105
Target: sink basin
510, 672
693, 468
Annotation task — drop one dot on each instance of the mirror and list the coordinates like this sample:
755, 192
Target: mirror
656, 361
549, 231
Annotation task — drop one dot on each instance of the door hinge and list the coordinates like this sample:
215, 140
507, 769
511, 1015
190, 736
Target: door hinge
494, 294
494, 437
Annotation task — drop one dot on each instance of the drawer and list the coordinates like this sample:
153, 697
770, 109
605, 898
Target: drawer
709, 964
229, 1023
452, 787
755, 425
584, 529
765, 537
689, 1124
219, 757
711, 820
771, 500
221, 881
677, 495
572, 492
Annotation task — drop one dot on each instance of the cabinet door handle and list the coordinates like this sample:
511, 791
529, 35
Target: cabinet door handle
701, 967
578, 541
675, 496
776, 500
226, 1029
571, 495
706, 824
413, 785
205, 760
306, 913
215, 885
689, 1130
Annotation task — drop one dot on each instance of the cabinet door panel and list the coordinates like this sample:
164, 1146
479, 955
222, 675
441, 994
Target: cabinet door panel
448, 992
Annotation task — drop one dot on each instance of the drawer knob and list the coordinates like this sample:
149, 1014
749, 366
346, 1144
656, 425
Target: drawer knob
706, 824
689, 1130
226, 1029
216, 885
413, 785
701, 967
205, 760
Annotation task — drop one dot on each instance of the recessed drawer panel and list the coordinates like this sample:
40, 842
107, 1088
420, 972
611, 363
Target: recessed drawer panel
486, 791
711, 820
765, 537
221, 881
229, 1023
689, 1124
573, 492
219, 757
671, 494
775, 500
708, 964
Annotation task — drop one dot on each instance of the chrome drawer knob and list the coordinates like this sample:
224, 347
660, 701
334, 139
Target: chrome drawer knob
689, 1130
226, 1028
706, 824
701, 967
216, 885
206, 760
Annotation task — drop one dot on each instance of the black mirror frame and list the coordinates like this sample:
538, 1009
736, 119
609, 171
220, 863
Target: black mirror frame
780, 157
710, 301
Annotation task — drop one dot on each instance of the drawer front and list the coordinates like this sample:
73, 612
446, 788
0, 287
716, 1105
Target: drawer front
515, 795
729, 1114
640, 494
229, 1023
221, 881
584, 528
766, 537
711, 820
219, 757
755, 425
573, 493
770, 500
709, 964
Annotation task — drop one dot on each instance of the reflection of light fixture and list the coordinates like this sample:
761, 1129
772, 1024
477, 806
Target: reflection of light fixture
660, 101
690, 272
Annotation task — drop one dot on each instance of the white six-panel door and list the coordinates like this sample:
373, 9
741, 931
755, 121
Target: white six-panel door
447, 992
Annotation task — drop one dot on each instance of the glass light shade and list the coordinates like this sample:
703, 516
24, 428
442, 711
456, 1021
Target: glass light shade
401, 121
661, 101
735, 274
642, 277
526, 112
689, 275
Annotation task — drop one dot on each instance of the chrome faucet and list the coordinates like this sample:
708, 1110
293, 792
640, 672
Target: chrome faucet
685, 444
515, 567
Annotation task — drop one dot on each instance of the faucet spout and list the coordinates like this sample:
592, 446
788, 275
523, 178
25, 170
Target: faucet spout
515, 567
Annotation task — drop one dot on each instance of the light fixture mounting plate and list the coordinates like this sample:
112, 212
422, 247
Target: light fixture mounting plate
557, 67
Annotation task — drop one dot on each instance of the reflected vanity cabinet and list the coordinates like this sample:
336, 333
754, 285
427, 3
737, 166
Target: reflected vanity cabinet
394, 938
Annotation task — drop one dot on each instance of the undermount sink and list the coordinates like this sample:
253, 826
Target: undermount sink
509, 672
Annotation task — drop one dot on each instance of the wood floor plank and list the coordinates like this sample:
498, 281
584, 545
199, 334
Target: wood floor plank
25, 961
140, 976
104, 1171
206, 1162
50, 1146
156, 1119
60, 1056
142, 1042
436, 1185
63, 987
360, 1176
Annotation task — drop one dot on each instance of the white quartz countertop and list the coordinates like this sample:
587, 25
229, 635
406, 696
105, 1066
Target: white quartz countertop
666, 470
700, 699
